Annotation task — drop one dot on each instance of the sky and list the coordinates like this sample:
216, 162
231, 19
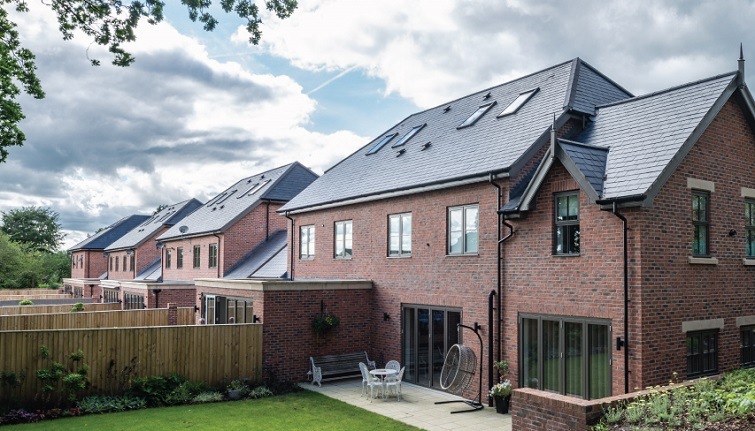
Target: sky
198, 111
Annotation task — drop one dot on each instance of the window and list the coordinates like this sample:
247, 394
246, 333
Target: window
196, 256
131, 262
518, 103
750, 227
400, 235
253, 189
213, 259
132, 301
307, 242
124, 263
168, 257
748, 346
180, 257
702, 353
116, 263
476, 115
409, 135
567, 224
571, 356
463, 234
221, 310
343, 240
111, 263
382, 143
701, 223
110, 295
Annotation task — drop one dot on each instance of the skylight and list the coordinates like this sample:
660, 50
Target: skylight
253, 189
382, 143
477, 114
518, 103
214, 200
408, 136
225, 196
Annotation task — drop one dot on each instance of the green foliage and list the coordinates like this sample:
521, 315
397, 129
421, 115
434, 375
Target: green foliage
109, 23
207, 397
157, 390
184, 393
322, 323
79, 306
36, 228
24, 268
10, 379
106, 404
68, 381
260, 392
26, 302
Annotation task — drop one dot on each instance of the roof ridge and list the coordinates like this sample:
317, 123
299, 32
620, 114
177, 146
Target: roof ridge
666, 90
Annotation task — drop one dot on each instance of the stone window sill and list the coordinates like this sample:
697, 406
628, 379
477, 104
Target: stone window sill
748, 261
702, 260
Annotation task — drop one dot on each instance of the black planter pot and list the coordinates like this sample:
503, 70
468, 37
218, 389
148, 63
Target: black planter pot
502, 404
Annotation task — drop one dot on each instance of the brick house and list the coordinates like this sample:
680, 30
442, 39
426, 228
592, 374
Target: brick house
537, 174
236, 234
88, 264
135, 256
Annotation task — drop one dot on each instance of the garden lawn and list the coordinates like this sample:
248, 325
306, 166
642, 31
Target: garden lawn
303, 410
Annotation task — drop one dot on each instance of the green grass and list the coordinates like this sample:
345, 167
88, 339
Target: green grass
298, 411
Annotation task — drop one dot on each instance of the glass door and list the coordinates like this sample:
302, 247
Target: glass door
428, 333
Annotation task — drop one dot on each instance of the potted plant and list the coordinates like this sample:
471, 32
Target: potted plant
237, 389
324, 322
501, 392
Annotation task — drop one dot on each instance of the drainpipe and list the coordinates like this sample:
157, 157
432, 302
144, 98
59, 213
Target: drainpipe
491, 298
217, 257
624, 343
291, 246
267, 221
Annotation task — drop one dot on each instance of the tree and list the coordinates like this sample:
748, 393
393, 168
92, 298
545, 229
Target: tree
159, 208
109, 23
34, 228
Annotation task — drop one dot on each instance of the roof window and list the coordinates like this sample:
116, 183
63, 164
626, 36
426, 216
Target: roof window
408, 136
253, 189
477, 114
225, 196
382, 143
518, 103
214, 200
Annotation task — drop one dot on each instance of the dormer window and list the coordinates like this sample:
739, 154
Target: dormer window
382, 143
518, 103
404, 139
476, 115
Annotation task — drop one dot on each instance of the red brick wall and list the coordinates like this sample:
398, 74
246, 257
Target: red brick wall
182, 297
673, 290
234, 244
538, 282
429, 277
122, 273
92, 266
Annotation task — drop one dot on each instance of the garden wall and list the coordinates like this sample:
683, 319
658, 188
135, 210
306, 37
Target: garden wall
214, 354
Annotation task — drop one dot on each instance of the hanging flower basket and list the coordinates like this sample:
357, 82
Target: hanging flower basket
323, 323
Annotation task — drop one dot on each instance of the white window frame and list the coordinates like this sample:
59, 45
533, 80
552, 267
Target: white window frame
345, 239
400, 235
307, 242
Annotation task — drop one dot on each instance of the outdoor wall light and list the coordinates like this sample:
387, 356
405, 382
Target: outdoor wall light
732, 232
255, 319
386, 317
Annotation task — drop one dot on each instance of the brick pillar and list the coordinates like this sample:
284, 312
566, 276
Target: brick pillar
172, 314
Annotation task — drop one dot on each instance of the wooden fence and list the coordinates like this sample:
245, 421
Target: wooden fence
35, 296
96, 319
61, 308
214, 354
5, 292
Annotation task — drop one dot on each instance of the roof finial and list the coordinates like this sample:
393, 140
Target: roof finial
741, 66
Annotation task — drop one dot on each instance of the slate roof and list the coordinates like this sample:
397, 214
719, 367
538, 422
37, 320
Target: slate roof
225, 209
152, 272
169, 216
644, 133
110, 234
267, 260
492, 144
591, 161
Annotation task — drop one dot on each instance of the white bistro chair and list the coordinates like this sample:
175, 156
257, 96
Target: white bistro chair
395, 383
393, 365
370, 380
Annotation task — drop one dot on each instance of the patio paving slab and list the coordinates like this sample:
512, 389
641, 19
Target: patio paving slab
417, 407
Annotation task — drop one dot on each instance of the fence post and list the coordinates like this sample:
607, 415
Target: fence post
172, 314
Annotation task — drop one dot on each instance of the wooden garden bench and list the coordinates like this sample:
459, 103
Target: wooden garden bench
343, 366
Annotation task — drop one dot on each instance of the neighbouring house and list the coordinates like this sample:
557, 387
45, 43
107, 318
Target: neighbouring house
508, 208
236, 234
88, 262
135, 256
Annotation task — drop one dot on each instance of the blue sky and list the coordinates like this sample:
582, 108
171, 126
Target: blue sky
198, 111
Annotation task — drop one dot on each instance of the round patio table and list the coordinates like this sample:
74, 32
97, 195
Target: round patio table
383, 373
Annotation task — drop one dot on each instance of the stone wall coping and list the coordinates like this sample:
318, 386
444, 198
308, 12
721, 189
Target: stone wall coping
702, 325
170, 285
82, 280
694, 183
284, 285
745, 320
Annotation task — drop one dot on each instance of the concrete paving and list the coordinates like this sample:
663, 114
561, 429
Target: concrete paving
417, 407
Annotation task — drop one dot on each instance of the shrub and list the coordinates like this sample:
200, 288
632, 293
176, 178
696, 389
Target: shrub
156, 390
26, 302
184, 393
260, 392
20, 416
79, 306
105, 404
208, 397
